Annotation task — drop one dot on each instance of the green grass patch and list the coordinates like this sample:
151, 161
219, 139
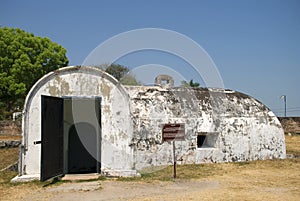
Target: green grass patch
6, 176
191, 171
242, 163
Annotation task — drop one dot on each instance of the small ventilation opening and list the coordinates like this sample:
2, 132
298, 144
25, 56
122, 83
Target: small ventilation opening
200, 140
207, 139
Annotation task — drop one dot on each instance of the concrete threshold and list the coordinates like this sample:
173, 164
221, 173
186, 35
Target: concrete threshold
78, 177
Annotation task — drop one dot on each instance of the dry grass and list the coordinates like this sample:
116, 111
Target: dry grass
8, 156
10, 137
256, 180
292, 144
9, 191
262, 180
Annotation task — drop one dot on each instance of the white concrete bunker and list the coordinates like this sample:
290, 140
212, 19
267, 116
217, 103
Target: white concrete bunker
82, 120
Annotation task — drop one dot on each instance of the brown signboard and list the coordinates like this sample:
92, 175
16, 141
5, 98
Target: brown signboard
173, 132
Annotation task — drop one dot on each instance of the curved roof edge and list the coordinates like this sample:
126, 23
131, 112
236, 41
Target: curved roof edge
70, 69
227, 92
61, 71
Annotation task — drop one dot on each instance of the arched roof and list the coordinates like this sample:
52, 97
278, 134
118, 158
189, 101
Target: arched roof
63, 71
68, 70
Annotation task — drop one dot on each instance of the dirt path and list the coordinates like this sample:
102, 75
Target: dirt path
224, 188
113, 190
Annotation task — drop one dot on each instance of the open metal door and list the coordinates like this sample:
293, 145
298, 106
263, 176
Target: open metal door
52, 158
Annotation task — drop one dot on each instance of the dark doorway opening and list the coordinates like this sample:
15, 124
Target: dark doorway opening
71, 136
82, 135
82, 148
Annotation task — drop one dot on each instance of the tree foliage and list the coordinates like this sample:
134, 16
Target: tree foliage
117, 70
130, 80
24, 58
191, 83
121, 73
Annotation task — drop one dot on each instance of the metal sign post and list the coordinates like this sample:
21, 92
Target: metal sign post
173, 132
174, 156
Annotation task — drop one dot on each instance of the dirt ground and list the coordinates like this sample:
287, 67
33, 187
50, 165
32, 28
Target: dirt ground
116, 190
237, 182
256, 180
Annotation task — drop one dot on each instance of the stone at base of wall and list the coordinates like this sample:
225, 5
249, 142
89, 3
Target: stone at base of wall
26, 178
9, 143
120, 173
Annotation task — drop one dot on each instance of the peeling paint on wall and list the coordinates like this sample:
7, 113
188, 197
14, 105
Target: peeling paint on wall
238, 127
116, 125
245, 129
105, 89
59, 87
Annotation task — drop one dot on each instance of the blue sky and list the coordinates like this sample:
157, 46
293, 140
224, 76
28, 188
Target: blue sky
254, 44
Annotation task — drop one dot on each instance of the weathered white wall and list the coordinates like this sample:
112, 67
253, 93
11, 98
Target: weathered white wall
246, 129
116, 123
240, 127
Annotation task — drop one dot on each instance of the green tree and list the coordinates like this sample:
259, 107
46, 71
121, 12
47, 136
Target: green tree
117, 70
130, 80
194, 84
191, 83
24, 58
121, 73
